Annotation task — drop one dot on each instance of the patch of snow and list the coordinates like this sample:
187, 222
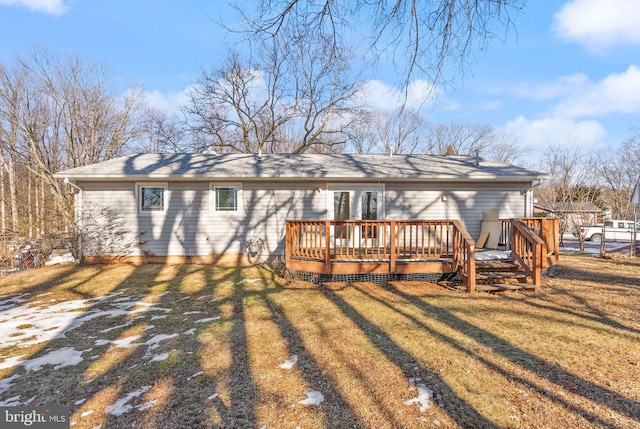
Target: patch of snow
313, 398
154, 342
5, 304
214, 396
60, 259
30, 324
6, 383
130, 341
160, 357
113, 328
127, 342
492, 255
121, 406
159, 316
424, 398
197, 374
80, 401
189, 331
10, 362
209, 319
86, 413
289, 363
146, 328
192, 312
11, 402
248, 281
65, 356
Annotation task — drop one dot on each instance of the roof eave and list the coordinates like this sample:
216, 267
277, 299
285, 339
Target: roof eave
204, 178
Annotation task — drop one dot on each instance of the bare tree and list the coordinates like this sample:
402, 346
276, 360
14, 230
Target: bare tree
458, 138
427, 37
275, 102
573, 188
619, 170
396, 132
504, 147
158, 132
57, 113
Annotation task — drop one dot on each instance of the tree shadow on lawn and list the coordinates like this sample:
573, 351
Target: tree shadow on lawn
185, 405
552, 373
561, 271
458, 409
595, 314
98, 381
185, 400
336, 408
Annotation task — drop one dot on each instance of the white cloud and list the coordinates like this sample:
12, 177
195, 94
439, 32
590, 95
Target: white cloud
599, 24
617, 93
564, 86
53, 7
539, 134
169, 103
378, 95
576, 96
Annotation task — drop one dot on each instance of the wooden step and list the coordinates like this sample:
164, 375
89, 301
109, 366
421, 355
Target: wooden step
509, 275
482, 266
504, 287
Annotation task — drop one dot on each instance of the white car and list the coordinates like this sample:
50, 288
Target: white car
617, 230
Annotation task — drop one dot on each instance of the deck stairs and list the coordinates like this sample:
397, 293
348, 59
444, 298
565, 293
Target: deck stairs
501, 275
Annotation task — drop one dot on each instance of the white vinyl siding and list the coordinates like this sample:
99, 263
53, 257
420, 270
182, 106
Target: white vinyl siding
463, 202
189, 226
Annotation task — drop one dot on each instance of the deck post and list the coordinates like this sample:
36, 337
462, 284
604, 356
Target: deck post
471, 267
287, 245
327, 246
392, 247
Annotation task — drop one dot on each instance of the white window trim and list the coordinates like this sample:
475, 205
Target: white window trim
351, 187
212, 198
165, 199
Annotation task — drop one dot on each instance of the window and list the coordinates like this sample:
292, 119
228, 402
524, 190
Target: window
151, 197
226, 198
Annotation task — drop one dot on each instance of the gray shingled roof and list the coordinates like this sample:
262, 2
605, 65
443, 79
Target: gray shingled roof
300, 167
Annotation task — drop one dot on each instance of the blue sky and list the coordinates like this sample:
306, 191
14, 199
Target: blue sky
568, 73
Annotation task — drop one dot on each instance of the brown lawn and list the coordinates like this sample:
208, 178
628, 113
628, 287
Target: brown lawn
201, 347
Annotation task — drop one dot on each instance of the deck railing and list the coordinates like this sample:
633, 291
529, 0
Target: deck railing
389, 241
548, 229
384, 244
528, 250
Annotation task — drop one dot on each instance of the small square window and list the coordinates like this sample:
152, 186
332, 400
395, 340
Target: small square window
226, 198
151, 198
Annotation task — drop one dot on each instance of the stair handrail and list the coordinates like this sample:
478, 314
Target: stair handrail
528, 250
463, 255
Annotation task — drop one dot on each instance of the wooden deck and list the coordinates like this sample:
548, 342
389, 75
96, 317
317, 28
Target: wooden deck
412, 247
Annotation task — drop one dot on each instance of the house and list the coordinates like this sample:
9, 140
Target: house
234, 207
571, 214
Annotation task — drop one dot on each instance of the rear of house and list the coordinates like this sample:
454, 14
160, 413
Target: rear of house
233, 208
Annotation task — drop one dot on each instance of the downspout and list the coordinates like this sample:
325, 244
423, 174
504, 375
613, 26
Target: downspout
528, 198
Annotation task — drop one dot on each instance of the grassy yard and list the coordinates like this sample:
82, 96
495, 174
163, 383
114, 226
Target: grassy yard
201, 347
